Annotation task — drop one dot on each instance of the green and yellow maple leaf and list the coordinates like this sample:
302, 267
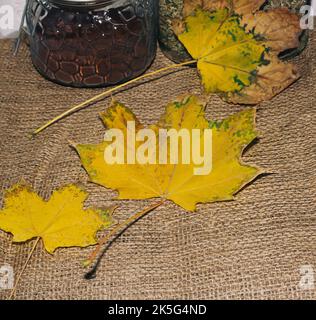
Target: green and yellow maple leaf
236, 47
177, 182
59, 222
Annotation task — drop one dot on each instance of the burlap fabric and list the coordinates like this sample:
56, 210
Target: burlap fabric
252, 248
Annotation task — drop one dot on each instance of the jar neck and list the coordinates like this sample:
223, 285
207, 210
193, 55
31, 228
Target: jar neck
81, 3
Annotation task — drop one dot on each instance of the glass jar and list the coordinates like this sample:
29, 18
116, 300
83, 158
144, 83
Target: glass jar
168, 41
92, 43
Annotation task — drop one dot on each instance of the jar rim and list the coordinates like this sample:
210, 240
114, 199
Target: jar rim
82, 3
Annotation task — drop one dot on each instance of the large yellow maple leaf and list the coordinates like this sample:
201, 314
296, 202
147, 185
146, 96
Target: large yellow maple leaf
59, 222
236, 47
177, 182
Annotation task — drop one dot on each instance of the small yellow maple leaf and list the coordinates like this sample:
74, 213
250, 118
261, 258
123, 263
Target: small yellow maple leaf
59, 222
234, 46
177, 182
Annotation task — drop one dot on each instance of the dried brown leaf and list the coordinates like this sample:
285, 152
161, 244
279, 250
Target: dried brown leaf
279, 27
271, 80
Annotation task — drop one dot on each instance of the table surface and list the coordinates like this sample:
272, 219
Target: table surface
251, 248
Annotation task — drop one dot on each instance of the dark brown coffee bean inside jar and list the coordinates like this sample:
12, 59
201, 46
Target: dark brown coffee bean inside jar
92, 43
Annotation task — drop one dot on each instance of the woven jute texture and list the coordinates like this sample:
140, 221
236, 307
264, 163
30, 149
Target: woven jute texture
252, 248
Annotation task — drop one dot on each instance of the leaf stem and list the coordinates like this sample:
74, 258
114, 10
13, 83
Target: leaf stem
106, 93
121, 227
23, 269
